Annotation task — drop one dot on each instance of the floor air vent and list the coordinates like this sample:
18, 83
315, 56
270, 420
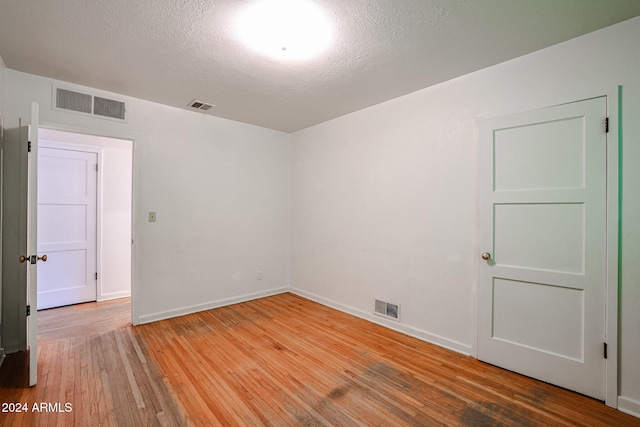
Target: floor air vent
388, 310
69, 100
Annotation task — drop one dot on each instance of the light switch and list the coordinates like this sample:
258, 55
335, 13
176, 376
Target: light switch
152, 217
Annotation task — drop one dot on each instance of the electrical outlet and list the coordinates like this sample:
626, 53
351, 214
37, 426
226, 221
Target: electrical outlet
152, 217
259, 275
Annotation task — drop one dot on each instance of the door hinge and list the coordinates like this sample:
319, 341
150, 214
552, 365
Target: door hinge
28, 310
96, 167
28, 146
605, 350
606, 125
96, 276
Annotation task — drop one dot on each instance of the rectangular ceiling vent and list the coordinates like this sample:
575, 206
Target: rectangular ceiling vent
85, 103
108, 108
199, 105
387, 309
74, 101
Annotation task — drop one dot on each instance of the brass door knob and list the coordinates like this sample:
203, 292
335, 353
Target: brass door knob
33, 258
486, 256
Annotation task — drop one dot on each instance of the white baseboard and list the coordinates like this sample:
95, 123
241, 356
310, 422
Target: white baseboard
206, 306
407, 330
629, 406
113, 295
10, 348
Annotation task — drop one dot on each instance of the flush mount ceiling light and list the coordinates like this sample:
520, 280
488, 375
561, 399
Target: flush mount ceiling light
284, 29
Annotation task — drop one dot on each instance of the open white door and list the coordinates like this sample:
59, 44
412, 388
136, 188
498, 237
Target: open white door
543, 234
32, 246
20, 235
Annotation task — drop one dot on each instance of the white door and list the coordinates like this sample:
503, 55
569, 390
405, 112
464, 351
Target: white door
67, 214
20, 173
543, 236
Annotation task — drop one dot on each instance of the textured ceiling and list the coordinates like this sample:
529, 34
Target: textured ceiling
174, 51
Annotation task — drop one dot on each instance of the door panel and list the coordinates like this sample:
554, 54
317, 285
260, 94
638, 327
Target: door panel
59, 222
14, 238
539, 316
543, 220
553, 233
19, 237
67, 226
67, 272
522, 155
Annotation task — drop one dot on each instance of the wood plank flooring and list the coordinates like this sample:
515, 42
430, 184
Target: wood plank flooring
89, 359
282, 360
83, 319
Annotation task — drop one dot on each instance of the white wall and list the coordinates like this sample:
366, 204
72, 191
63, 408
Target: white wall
114, 253
3, 71
220, 189
384, 200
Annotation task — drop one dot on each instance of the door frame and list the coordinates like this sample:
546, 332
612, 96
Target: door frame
135, 191
614, 114
98, 151
2, 355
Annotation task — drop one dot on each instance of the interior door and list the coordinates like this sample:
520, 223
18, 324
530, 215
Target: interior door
19, 244
67, 207
542, 282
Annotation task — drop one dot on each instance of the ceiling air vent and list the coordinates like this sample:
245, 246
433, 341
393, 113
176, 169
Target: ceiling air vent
74, 101
388, 310
108, 108
88, 104
199, 105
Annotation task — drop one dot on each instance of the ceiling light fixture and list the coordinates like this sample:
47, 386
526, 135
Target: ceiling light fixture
284, 29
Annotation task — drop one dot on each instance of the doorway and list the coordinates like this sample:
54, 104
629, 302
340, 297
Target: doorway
545, 219
87, 238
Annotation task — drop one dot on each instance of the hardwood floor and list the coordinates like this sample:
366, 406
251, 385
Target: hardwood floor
281, 360
83, 319
91, 372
